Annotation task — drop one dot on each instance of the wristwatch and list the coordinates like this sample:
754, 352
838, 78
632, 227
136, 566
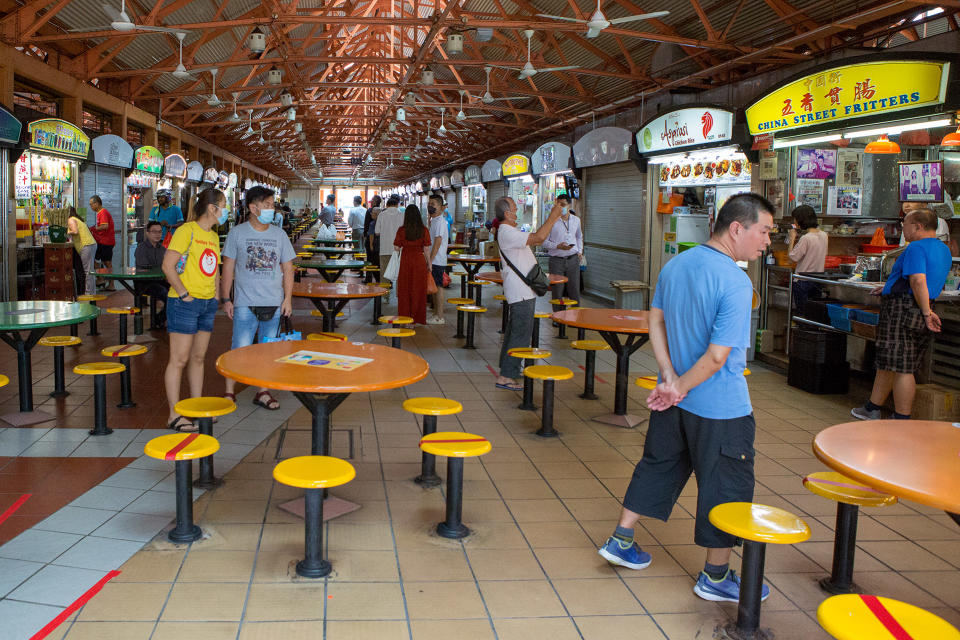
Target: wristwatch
224, 300
185, 295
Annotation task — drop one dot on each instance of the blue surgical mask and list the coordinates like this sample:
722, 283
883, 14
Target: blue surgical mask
265, 216
563, 210
224, 214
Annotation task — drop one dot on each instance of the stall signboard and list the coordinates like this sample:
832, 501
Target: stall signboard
112, 150
21, 178
434, 182
418, 187
552, 157
148, 159
10, 127
444, 180
59, 137
471, 175
491, 171
604, 145
456, 178
838, 94
194, 172
232, 181
248, 183
687, 127
174, 166
210, 175
516, 165
223, 179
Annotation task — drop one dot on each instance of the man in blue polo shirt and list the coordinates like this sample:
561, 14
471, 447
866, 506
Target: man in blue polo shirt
166, 213
907, 320
701, 418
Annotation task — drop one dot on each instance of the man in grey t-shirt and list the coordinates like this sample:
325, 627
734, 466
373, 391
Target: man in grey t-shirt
258, 263
329, 212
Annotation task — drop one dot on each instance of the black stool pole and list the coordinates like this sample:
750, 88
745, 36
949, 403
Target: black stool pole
459, 333
59, 390
206, 479
504, 316
463, 286
313, 565
478, 288
535, 338
100, 407
527, 403
581, 333
469, 344
588, 376
377, 302
844, 548
123, 329
562, 331
93, 324
428, 474
75, 330
126, 402
395, 342
546, 429
751, 587
452, 527
185, 531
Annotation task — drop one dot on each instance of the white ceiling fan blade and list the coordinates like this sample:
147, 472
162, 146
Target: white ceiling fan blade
94, 29
140, 27
547, 15
548, 69
112, 13
643, 16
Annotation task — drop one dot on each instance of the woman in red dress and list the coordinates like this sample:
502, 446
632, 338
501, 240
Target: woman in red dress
413, 241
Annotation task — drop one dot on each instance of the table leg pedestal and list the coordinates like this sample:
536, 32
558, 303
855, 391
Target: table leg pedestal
26, 416
377, 305
620, 417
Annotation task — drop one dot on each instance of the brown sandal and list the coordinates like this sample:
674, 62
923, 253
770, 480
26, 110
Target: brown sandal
271, 403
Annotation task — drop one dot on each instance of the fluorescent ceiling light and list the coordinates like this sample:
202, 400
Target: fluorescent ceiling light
783, 144
719, 153
897, 129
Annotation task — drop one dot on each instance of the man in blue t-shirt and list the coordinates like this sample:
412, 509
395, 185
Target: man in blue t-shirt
907, 321
701, 418
168, 215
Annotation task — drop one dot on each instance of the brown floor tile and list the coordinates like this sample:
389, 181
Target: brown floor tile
205, 601
204, 630
443, 600
526, 628
437, 565
110, 631
217, 565
290, 601
544, 535
126, 601
539, 510
304, 630
446, 629
605, 627
521, 599
504, 564
355, 630
684, 626
578, 562
903, 555
364, 601
597, 597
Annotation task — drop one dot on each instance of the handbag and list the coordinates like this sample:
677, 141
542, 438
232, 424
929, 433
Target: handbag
446, 279
285, 331
393, 267
536, 279
431, 284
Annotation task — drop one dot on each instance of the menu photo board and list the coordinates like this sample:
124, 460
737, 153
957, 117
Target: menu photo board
603, 145
471, 175
457, 178
552, 157
703, 170
194, 172
223, 179
148, 159
232, 181
174, 166
491, 171
112, 150
517, 164
210, 175
59, 137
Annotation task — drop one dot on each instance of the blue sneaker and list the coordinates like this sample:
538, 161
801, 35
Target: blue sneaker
615, 551
725, 590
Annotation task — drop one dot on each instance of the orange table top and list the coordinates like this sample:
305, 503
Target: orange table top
497, 277
257, 365
349, 290
615, 320
916, 460
454, 246
470, 257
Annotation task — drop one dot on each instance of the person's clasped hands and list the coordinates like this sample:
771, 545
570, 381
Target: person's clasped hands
666, 394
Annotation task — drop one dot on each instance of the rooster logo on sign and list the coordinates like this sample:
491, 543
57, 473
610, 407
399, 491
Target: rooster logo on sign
707, 120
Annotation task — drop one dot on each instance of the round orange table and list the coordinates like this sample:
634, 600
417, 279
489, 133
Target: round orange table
916, 460
611, 324
331, 297
497, 277
471, 263
453, 246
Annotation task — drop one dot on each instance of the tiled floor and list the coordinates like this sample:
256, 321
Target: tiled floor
538, 509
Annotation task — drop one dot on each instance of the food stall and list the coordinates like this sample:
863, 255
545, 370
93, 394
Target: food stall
473, 197
174, 176
10, 130
110, 160
516, 170
455, 203
190, 186
552, 164
148, 167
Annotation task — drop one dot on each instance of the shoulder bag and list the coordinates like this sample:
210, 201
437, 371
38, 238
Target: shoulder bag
536, 279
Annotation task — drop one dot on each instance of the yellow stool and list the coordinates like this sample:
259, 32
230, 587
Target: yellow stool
865, 617
535, 338
92, 299
590, 348
504, 312
58, 343
455, 445
123, 312
368, 273
99, 371
850, 495
549, 374
125, 352
472, 310
314, 474
757, 525
459, 302
359, 256
183, 449
475, 290
395, 333
528, 356
327, 336
559, 304
204, 409
430, 408
395, 319
4, 380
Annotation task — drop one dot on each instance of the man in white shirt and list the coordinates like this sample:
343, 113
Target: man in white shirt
565, 246
439, 236
516, 245
355, 220
389, 220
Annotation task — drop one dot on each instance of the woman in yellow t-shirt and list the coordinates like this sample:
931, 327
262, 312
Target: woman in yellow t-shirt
191, 265
86, 247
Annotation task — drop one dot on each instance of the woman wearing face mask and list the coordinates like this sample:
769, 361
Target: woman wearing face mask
191, 267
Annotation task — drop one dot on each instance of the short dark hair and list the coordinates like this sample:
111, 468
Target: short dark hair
805, 217
376, 201
357, 201
96, 198
564, 197
437, 197
744, 208
331, 198
259, 194
151, 224
925, 217
393, 201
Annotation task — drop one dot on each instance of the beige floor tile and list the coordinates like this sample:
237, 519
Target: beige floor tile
204, 630
606, 627
597, 597
792, 625
500, 471
274, 566
364, 601
358, 537
446, 629
288, 601
563, 470
578, 562
233, 537
579, 488
521, 599
238, 489
594, 508
443, 600
685, 626
538, 510
946, 584
504, 564
917, 527
205, 601
669, 595
528, 628
532, 489
364, 566
221, 566
438, 565
109, 631
131, 602
545, 535
235, 511
302, 630
903, 555
151, 566
495, 535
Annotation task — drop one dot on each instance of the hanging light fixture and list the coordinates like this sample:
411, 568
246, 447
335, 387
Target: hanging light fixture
883, 145
951, 139
286, 99
274, 76
257, 41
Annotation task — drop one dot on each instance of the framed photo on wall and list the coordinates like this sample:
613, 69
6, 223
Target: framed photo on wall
921, 181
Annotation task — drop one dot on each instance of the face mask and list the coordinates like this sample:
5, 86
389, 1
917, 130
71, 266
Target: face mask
224, 214
265, 216
432, 210
563, 210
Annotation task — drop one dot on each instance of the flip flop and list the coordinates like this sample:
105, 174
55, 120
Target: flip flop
186, 427
509, 387
270, 400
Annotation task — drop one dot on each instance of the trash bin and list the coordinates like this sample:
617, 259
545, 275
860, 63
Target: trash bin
629, 294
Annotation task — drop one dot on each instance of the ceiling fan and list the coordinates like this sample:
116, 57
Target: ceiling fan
213, 100
181, 72
122, 22
487, 97
598, 22
443, 130
528, 70
461, 116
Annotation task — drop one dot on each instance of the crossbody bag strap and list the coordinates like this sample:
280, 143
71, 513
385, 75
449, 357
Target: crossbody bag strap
523, 277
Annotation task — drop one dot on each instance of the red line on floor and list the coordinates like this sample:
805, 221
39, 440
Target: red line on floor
76, 604
16, 505
595, 376
172, 454
490, 369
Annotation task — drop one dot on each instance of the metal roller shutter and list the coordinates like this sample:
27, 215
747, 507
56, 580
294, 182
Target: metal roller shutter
106, 182
614, 227
495, 191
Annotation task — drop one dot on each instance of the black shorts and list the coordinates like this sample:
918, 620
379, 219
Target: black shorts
720, 452
104, 253
902, 334
437, 272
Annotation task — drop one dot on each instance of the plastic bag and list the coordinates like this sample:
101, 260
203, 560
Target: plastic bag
393, 267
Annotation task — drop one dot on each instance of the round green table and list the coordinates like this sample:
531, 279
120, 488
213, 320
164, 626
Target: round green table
331, 270
35, 317
331, 243
129, 279
330, 252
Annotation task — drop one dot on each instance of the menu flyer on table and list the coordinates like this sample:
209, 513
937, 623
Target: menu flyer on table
325, 360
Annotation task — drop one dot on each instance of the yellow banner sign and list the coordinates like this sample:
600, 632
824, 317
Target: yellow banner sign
516, 165
851, 91
59, 136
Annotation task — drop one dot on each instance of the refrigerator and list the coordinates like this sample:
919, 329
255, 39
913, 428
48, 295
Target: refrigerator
683, 232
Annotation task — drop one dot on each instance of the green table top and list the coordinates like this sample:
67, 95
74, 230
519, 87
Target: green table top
330, 264
331, 243
330, 250
37, 314
132, 274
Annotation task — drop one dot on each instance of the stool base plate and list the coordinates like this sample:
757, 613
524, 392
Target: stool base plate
543, 433
428, 481
454, 533
105, 432
182, 538
318, 570
827, 585
213, 484
527, 407
625, 421
730, 632
60, 394
126, 405
589, 396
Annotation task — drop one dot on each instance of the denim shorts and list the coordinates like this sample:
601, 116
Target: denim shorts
190, 317
246, 327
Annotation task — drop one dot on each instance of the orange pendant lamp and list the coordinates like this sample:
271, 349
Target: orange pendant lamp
951, 139
883, 144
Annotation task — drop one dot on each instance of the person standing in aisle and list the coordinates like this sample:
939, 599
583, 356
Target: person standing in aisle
371, 243
167, 214
103, 233
389, 220
515, 246
355, 220
84, 249
701, 418
329, 211
907, 320
565, 247
810, 253
439, 237
258, 259
412, 240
